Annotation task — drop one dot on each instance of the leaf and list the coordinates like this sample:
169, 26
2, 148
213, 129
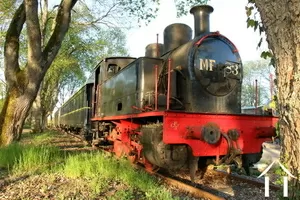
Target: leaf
266, 54
249, 10
250, 23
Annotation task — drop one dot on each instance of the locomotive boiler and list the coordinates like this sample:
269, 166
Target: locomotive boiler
178, 106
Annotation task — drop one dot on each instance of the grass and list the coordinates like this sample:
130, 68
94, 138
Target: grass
17, 158
100, 170
93, 165
39, 138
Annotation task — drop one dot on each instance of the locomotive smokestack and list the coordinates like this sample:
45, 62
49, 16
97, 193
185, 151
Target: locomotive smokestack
201, 16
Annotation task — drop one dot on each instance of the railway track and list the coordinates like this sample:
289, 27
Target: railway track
195, 191
249, 180
231, 186
202, 189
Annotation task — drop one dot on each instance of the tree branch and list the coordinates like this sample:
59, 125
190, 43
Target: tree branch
11, 46
62, 25
33, 35
100, 18
44, 13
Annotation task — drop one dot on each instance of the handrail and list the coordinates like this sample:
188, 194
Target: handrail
156, 86
169, 84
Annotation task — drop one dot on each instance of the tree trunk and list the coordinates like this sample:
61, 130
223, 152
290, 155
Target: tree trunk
44, 120
13, 115
23, 84
36, 111
281, 19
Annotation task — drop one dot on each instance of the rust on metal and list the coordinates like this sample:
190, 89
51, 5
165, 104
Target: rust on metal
196, 192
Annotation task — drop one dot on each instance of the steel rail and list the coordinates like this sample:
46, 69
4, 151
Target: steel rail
247, 180
196, 192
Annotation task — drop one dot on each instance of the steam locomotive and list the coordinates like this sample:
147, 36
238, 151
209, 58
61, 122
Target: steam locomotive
177, 107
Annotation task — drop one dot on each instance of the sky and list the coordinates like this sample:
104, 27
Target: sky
229, 18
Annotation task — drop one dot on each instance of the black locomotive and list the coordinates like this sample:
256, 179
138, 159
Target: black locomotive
179, 103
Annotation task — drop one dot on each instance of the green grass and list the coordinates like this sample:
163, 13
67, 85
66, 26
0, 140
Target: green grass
9, 155
28, 158
100, 169
39, 138
93, 165
123, 194
18, 158
37, 158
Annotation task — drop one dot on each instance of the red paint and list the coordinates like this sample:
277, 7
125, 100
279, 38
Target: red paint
254, 130
216, 34
156, 86
123, 138
185, 128
137, 108
256, 96
129, 116
265, 132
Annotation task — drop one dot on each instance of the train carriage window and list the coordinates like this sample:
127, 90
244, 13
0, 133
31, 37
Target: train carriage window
112, 69
119, 106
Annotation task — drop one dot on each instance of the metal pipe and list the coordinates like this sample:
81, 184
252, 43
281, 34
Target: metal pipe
156, 86
169, 84
256, 96
157, 46
201, 18
93, 99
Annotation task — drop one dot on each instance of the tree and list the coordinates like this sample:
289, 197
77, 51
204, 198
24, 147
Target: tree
280, 19
23, 84
259, 70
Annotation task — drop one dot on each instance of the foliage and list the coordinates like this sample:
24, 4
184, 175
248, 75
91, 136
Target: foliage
83, 47
146, 10
259, 70
183, 6
254, 21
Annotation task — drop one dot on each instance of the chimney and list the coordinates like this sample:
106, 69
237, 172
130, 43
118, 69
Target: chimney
201, 18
